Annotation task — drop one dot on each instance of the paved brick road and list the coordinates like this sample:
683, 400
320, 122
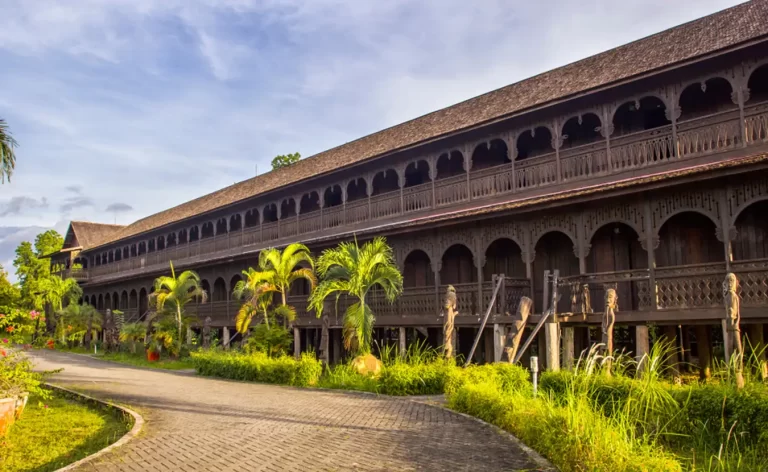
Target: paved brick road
195, 423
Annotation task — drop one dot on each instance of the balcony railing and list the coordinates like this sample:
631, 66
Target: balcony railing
695, 138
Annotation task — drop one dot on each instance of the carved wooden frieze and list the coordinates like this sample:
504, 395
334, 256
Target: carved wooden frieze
514, 231
745, 193
704, 202
631, 214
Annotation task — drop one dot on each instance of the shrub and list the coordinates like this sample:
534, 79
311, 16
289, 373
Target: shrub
415, 379
570, 433
16, 376
345, 377
273, 340
258, 367
507, 377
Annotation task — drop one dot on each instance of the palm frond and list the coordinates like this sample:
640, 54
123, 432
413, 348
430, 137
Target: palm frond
7, 153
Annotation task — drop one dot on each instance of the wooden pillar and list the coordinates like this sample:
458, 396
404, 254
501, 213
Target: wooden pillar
642, 345
650, 247
336, 335
401, 338
557, 143
552, 345
757, 345
190, 335
296, 343
725, 224
568, 347
225, 337
686, 343
705, 351
670, 332
480, 308
499, 338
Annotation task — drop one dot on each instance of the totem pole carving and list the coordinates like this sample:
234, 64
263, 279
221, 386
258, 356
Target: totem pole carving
207, 332
324, 352
733, 326
609, 318
450, 305
515, 333
586, 299
107, 331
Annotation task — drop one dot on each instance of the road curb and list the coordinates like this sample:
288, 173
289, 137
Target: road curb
138, 423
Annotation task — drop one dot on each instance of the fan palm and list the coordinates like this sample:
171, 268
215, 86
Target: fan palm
171, 294
350, 269
276, 272
7, 155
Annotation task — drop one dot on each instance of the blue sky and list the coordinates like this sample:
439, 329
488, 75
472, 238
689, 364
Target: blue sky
123, 108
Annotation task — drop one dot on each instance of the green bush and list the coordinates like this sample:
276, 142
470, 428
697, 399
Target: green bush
507, 377
415, 379
345, 377
258, 367
569, 433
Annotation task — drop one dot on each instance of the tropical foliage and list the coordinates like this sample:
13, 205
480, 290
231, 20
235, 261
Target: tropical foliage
133, 333
7, 153
355, 271
285, 160
170, 296
79, 323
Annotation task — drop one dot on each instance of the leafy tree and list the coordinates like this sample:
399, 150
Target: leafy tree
10, 295
276, 273
133, 333
7, 154
79, 322
284, 160
349, 269
55, 292
258, 297
274, 340
171, 295
32, 268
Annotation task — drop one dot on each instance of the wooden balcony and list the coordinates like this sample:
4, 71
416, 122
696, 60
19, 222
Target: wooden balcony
567, 168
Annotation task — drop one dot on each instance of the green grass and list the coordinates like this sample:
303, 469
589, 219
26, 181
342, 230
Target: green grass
141, 361
49, 438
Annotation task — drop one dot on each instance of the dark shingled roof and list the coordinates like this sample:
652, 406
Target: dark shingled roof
93, 234
721, 30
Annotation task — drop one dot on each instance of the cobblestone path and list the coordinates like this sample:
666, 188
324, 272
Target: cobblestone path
195, 423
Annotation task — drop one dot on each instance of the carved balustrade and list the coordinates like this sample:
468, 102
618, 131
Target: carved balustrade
714, 133
385, 205
333, 217
310, 222
418, 197
756, 123
536, 172
641, 149
508, 297
631, 286
583, 162
492, 181
451, 190
357, 211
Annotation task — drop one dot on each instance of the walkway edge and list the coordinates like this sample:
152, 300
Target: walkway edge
138, 423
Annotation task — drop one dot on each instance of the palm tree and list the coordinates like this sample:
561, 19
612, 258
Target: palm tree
7, 155
277, 271
80, 319
132, 332
258, 295
55, 291
172, 293
349, 269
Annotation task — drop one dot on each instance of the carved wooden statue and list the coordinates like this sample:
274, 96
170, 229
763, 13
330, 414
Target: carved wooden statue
580, 298
733, 324
107, 330
609, 318
575, 297
515, 333
450, 305
207, 332
586, 299
325, 354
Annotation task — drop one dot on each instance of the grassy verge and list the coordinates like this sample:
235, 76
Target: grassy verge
141, 361
55, 433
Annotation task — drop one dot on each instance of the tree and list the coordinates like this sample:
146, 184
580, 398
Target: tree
79, 322
276, 273
32, 268
54, 293
284, 160
133, 333
171, 294
10, 295
7, 154
349, 269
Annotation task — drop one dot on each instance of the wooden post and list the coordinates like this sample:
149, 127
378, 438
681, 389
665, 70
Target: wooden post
705, 351
552, 348
670, 332
642, 346
336, 345
650, 247
568, 347
401, 338
225, 337
296, 343
499, 337
727, 344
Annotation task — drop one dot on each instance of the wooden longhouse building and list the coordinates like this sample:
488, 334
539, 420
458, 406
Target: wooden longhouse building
644, 168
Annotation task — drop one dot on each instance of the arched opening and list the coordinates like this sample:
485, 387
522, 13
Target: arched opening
142, 248
234, 280
221, 226
752, 233
252, 218
143, 301
207, 230
416, 173
554, 251
108, 301
97, 260
235, 222
206, 288
450, 164
688, 238
115, 301
713, 96
758, 85
492, 154
581, 130
126, 252
640, 115
118, 255
110, 257
100, 302
170, 240
93, 301
134, 252
219, 293
503, 256
309, 202
616, 247
534, 143
458, 266
417, 270
357, 190
184, 236
270, 213
288, 208
384, 182
332, 196
151, 245
124, 300
133, 300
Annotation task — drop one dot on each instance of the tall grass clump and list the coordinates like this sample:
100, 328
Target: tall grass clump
259, 367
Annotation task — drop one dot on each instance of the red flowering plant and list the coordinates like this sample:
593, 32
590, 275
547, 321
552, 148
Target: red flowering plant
17, 326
